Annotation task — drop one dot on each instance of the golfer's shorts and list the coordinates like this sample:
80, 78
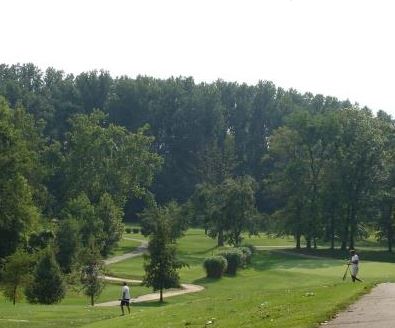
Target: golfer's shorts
124, 302
354, 270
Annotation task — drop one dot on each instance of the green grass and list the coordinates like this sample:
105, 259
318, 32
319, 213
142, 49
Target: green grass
279, 289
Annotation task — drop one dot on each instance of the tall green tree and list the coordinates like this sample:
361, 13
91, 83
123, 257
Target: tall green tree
287, 182
227, 209
18, 212
105, 158
68, 244
300, 152
161, 265
111, 217
176, 218
385, 184
239, 208
358, 162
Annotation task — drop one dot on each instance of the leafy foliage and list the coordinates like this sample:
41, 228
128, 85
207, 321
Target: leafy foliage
92, 273
47, 286
215, 266
16, 274
18, 212
161, 264
235, 258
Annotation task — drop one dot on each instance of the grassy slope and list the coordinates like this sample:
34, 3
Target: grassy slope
278, 290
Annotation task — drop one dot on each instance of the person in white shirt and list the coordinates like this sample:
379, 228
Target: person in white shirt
354, 265
125, 298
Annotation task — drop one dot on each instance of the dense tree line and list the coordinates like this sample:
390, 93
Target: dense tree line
78, 154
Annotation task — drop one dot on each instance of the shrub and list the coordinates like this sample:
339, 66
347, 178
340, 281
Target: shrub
128, 230
234, 258
136, 230
251, 247
246, 255
48, 286
215, 266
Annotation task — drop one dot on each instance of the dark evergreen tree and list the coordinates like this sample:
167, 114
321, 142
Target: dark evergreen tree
47, 286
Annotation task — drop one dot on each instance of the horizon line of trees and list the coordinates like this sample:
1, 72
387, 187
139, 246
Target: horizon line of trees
80, 154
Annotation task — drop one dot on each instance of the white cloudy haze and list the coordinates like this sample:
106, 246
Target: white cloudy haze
342, 48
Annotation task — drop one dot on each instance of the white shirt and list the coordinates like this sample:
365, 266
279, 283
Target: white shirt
125, 293
355, 258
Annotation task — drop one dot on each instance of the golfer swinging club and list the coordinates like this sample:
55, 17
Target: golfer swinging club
354, 265
125, 297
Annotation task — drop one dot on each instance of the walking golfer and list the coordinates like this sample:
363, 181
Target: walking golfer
125, 298
354, 265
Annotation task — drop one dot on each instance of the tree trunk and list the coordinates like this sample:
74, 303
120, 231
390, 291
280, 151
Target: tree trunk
221, 238
345, 231
390, 231
308, 242
297, 237
161, 295
92, 300
332, 236
315, 242
14, 295
353, 227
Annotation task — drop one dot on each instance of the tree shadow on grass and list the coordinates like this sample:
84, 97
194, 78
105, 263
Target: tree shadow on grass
288, 259
150, 304
208, 281
364, 254
206, 251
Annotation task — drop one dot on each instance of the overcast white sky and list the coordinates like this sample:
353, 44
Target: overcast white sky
342, 48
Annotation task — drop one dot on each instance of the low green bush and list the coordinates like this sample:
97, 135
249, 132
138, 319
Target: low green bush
136, 230
247, 255
251, 247
128, 230
215, 266
234, 257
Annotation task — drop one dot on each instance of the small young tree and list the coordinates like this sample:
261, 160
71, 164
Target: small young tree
161, 264
16, 274
48, 286
92, 273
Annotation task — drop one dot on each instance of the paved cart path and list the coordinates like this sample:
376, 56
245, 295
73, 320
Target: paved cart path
137, 252
373, 310
185, 289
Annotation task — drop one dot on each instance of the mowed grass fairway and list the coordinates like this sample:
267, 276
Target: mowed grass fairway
279, 289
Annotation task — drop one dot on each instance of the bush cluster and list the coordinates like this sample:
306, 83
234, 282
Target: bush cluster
128, 230
251, 247
215, 266
228, 261
235, 260
247, 254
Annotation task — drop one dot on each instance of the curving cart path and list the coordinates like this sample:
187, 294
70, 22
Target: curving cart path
185, 288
